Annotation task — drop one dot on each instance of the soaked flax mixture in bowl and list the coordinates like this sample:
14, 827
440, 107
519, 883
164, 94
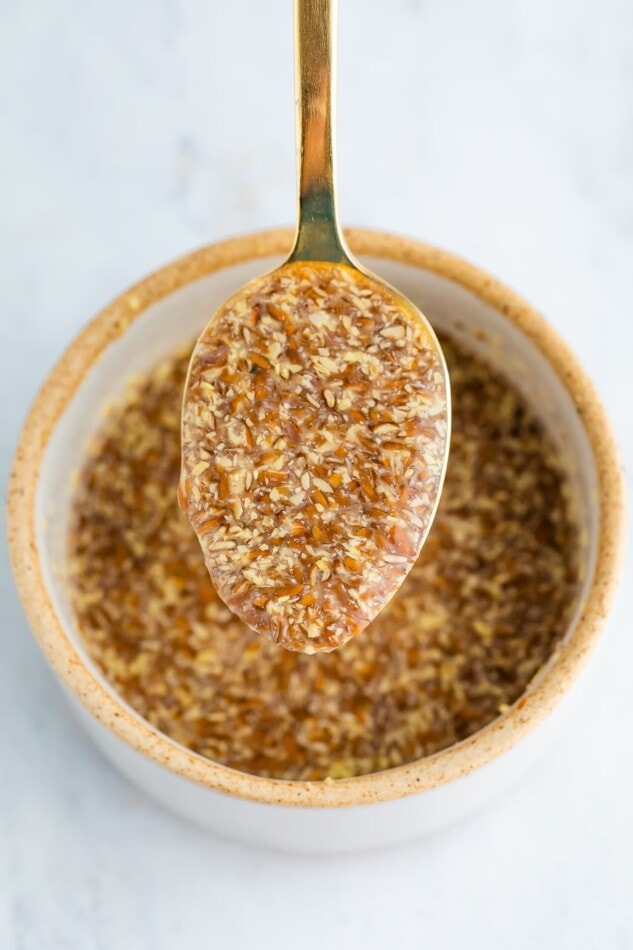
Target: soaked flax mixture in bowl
484, 607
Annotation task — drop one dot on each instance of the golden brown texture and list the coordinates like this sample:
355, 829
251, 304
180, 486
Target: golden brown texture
481, 611
314, 439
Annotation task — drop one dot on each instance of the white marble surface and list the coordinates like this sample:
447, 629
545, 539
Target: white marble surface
134, 131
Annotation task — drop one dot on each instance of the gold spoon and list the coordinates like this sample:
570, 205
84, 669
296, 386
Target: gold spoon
316, 415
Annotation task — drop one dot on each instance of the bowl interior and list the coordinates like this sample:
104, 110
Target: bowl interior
180, 316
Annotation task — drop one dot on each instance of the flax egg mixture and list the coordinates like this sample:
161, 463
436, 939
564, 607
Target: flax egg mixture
314, 441
483, 608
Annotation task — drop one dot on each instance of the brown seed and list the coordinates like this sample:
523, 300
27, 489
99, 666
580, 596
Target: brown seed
320, 498
209, 525
291, 590
258, 360
318, 533
225, 486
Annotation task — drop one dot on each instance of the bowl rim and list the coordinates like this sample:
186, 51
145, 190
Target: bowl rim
418, 776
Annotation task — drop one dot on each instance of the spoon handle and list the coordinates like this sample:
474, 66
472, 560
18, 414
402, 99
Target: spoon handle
318, 235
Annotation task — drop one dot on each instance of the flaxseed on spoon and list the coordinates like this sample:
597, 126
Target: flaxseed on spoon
314, 440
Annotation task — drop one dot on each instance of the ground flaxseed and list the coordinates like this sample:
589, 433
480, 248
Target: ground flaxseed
482, 610
314, 439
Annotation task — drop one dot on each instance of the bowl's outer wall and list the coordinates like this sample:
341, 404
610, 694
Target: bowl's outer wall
329, 830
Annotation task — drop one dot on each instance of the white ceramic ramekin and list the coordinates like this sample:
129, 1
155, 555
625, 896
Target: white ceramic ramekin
146, 323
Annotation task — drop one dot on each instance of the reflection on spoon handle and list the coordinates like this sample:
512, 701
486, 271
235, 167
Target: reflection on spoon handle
318, 233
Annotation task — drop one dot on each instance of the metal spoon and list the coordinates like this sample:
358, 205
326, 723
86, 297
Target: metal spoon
316, 416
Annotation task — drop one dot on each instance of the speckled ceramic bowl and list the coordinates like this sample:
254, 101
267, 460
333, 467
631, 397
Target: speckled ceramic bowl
145, 324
